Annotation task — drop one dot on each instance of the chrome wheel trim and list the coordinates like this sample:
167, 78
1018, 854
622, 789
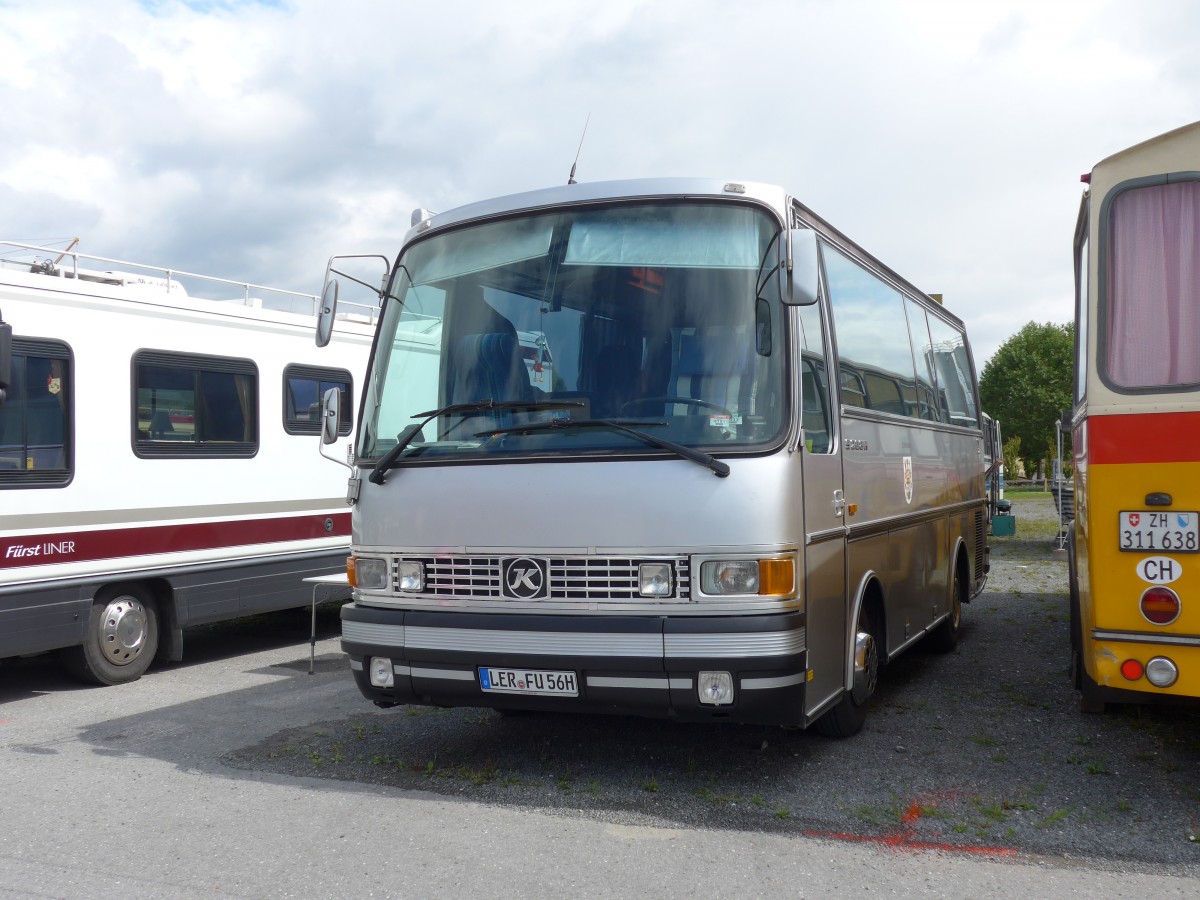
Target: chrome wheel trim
123, 630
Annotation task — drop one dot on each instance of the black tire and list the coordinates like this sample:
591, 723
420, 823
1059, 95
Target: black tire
122, 638
847, 718
1076, 617
944, 638
1089, 702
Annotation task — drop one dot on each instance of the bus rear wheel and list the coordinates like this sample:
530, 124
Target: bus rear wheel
122, 638
944, 637
1089, 702
847, 718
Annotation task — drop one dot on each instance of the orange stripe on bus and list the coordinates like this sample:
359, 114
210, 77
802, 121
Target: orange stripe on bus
1144, 438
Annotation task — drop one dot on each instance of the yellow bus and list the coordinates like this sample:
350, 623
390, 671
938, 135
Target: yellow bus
1134, 551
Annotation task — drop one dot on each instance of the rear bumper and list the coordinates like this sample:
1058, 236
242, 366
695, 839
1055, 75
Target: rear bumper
1111, 648
629, 665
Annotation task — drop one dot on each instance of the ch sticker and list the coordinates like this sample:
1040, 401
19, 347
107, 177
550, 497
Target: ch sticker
1159, 569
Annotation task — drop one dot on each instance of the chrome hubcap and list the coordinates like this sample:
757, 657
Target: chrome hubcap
866, 667
123, 630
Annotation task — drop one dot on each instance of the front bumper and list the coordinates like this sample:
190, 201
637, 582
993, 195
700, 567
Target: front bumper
627, 665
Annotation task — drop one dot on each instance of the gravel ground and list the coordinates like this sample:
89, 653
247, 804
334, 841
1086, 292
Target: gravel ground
981, 751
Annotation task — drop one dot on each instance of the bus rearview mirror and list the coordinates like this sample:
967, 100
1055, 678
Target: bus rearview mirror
804, 277
331, 408
325, 315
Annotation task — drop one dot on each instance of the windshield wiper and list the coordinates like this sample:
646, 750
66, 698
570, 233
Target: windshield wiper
719, 468
405, 437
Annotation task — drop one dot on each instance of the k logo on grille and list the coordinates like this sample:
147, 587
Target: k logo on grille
525, 578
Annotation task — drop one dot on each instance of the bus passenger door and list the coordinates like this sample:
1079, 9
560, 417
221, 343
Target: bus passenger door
824, 519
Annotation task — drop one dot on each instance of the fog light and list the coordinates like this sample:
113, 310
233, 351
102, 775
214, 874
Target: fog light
410, 575
1131, 669
716, 688
654, 579
1161, 672
370, 573
381, 672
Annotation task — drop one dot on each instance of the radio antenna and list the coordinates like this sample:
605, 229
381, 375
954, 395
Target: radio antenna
571, 177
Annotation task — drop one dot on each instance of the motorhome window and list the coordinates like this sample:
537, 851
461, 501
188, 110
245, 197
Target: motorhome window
303, 388
643, 311
194, 406
872, 333
955, 375
35, 419
1150, 308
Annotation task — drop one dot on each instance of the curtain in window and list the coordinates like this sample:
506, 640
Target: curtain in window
1153, 303
245, 392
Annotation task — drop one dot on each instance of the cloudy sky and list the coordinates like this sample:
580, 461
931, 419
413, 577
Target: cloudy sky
252, 139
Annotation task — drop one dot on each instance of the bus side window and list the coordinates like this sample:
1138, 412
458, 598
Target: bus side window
816, 412
814, 383
854, 392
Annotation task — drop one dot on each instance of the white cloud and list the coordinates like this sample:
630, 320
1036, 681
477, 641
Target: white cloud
254, 139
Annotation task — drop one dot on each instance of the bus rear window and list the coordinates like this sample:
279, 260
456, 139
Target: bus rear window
1151, 308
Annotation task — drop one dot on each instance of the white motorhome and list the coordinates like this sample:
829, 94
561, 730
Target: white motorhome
755, 477
156, 466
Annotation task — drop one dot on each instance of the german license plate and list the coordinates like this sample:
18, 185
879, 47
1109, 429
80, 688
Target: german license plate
536, 682
1177, 532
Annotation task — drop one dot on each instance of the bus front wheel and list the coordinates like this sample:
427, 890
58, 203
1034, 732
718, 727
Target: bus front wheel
122, 638
847, 718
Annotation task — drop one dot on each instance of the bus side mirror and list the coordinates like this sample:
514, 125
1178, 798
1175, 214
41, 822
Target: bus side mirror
5, 357
331, 408
329, 298
804, 271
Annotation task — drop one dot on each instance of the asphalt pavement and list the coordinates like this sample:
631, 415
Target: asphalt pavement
237, 773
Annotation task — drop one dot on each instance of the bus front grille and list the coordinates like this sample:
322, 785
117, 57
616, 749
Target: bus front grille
579, 579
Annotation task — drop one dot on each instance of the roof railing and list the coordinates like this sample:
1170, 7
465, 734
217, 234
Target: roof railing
163, 278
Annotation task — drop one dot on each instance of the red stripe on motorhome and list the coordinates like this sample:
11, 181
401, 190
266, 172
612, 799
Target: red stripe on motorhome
85, 546
1144, 438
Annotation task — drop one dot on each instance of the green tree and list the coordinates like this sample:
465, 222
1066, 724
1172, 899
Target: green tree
1027, 383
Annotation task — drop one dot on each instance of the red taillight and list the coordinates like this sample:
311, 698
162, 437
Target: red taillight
1160, 605
1131, 669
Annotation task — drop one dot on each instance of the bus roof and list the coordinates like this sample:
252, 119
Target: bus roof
589, 192
1162, 142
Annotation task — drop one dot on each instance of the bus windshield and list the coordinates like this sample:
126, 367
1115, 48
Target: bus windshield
661, 317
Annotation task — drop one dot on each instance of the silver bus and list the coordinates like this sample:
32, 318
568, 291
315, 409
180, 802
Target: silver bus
752, 477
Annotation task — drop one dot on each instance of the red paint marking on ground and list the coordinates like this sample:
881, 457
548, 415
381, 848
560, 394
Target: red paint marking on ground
904, 838
901, 841
913, 812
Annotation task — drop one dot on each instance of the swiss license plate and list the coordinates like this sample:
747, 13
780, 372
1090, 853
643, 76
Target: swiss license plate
536, 682
1176, 532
